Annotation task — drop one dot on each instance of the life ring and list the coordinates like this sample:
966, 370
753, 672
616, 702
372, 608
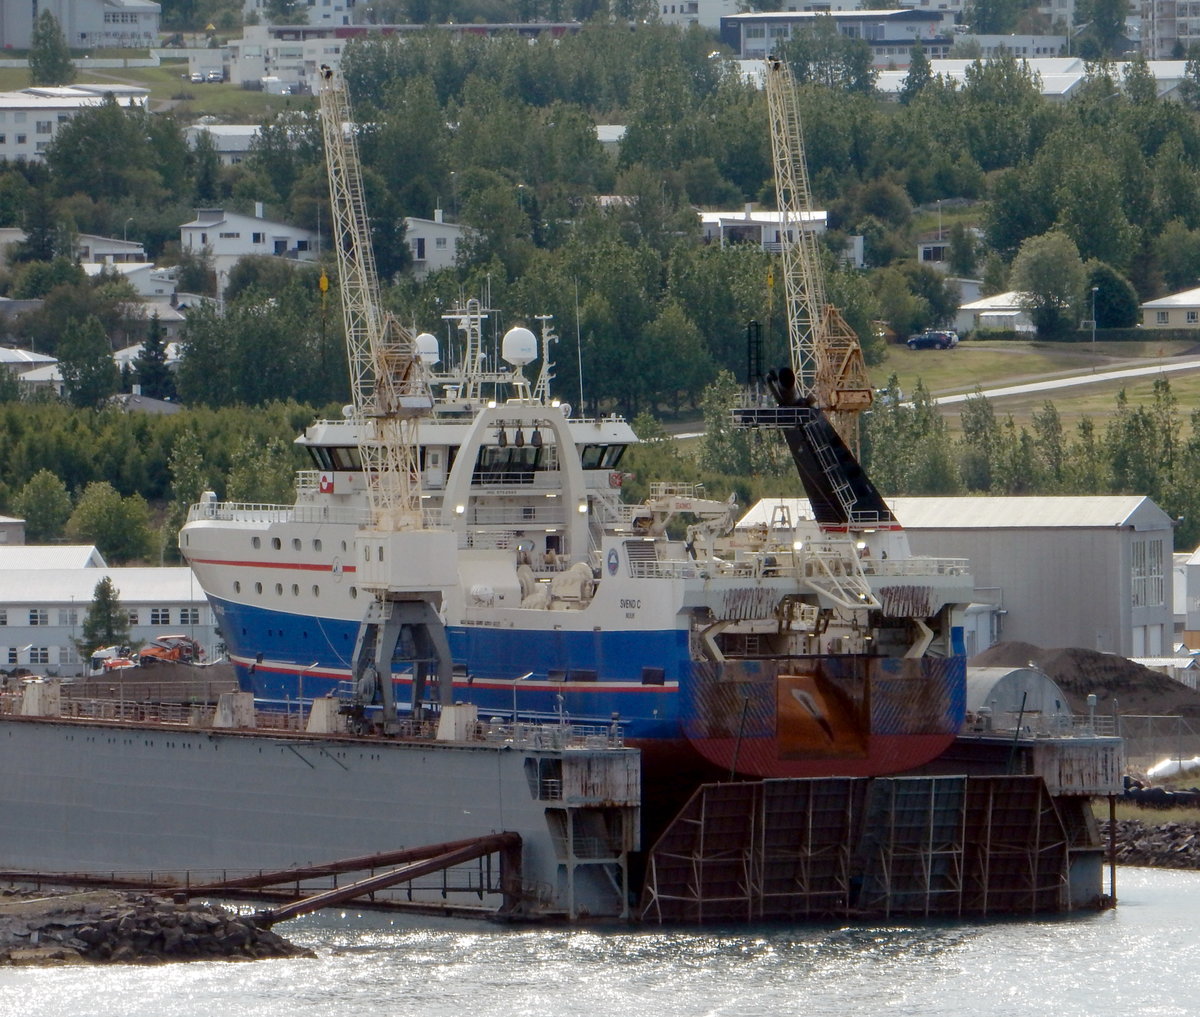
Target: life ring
615, 479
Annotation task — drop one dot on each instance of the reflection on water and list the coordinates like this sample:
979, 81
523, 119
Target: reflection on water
1114, 964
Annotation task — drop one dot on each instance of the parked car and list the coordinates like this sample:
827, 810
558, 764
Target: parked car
196, 77
216, 77
932, 339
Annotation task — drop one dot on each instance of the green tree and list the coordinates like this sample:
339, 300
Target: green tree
89, 373
106, 622
45, 506
919, 75
262, 473
1049, 274
49, 58
150, 367
119, 527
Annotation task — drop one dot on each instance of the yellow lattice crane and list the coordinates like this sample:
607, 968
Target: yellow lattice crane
824, 350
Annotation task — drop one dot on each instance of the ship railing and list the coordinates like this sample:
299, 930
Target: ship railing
556, 736
810, 563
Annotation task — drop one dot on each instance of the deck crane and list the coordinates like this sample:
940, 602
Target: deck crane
824, 387
403, 565
824, 351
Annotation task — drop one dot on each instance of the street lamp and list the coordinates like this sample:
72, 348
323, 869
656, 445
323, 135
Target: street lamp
1094, 288
127, 222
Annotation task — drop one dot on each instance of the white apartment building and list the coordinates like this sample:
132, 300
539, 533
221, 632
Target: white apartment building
30, 118
228, 236
86, 24
434, 243
311, 12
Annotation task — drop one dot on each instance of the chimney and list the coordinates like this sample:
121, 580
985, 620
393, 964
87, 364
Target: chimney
258, 210
749, 206
437, 215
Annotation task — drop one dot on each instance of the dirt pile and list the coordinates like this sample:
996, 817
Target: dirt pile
1135, 689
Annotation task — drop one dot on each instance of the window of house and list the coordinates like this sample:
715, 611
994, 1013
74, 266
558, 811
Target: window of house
21, 139
133, 617
230, 236
38, 616
3, 617
68, 616
3, 139
1160, 317
160, 616
42, 146
1193, 317
68, 654
256, 238
755, 32
39, 655
440, 243
189, 616
12, 655
44, 126
1149, 579
18, 118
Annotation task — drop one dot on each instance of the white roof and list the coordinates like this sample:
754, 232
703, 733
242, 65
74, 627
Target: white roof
1036, 512
1010, 301
8, 355
129, 354
50, 372
134, 585
1185, 298
764, 218
1179, 663
48, 556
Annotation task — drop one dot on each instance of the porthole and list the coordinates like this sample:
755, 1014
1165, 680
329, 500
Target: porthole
237, 586
317, 544
354, 593
296, 543
276, 543
343, 545
279, 589
255, 543
295, 590
316, 590
258, 587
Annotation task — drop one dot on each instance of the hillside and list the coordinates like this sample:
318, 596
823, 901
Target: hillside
1078, 672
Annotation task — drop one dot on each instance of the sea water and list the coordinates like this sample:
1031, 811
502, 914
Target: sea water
1142, 958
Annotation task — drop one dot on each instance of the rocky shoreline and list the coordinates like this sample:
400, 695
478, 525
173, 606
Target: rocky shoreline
1162, 845
111, 927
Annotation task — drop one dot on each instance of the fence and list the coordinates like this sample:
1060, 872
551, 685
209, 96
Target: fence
1149, 740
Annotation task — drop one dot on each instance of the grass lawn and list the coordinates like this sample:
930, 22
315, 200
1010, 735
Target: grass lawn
989, 364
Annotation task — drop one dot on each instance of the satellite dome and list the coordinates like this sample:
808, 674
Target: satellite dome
427, 349
519, 347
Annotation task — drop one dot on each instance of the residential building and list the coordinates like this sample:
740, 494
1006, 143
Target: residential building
1178, 310
1001, 312
891, 33
1059, 77
755, 227
88, 247
231, 141
705, 13
86, 24
30, 118
229, 236
43, 604
434, 242
148, 281
1169, 28
12, 530
1093, 572
314, 12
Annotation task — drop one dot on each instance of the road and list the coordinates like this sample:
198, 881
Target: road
1174, 365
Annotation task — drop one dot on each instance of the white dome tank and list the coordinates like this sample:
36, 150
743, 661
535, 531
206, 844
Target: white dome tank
519, 347
427, 349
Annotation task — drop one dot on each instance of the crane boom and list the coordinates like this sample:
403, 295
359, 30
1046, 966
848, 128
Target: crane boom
388, 388
825, 353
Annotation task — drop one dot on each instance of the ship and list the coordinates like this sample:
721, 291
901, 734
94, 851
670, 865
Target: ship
811, 647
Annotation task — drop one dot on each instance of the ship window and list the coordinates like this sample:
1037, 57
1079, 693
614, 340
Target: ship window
612, 456
345, 458
317, 544
296, 543
237, 586
295, 589
354, 593
343, 545
279, 589
255, 543
316, 590
258, 587
276, 543
320, 456
591, 456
